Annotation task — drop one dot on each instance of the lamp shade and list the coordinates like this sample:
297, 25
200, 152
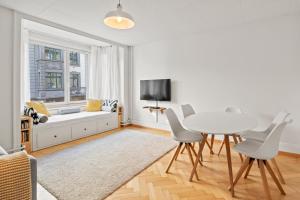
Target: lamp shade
118, 19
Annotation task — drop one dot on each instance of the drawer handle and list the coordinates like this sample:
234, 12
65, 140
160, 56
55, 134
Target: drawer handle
107, 124
55, 136
85, 129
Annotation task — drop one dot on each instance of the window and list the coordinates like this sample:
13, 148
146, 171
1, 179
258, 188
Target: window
74, 58
52, 54
78, 77
75, 80
54, 80
51, 74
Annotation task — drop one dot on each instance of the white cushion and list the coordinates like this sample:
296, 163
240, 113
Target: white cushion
69, 117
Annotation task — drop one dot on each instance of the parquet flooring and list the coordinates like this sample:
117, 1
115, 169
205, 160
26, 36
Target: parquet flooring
154, 184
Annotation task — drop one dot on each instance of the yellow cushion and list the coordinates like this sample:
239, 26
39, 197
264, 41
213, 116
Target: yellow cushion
39, 107
93, 105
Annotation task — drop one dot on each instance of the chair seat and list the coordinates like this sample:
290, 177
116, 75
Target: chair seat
260, 136
188, 137
249, 148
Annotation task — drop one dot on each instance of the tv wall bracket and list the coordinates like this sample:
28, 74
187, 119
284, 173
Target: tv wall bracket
156, 109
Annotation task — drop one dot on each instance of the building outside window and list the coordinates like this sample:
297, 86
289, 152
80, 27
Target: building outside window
48, 78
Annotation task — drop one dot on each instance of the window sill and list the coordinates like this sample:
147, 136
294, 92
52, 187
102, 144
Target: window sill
54, 107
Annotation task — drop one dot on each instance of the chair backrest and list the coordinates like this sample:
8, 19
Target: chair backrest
279, 118
232, 109
187, 110
174, 122
270, 146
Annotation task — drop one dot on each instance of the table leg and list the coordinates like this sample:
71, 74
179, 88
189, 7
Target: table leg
198, 156
228, 153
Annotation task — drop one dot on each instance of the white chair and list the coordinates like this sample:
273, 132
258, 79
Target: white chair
262, 135
188, 110
183, 136
236, 137
262, 152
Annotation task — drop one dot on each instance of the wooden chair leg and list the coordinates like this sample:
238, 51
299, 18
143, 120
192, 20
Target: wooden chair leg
193, 150
240, 138
241, 171
264, 179
175, 155
249, 167
221, 147
183, 150
274, 177
201, 145
236, 142
274, 163
188, 146
208, 145
212, 140
178, 153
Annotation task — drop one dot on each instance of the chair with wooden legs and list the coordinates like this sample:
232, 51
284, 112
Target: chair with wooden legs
188, 110
184, 137
261, 136
262, 152
236, 137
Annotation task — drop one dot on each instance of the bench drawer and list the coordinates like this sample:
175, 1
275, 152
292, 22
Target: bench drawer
107, 124
83, 129
52, 136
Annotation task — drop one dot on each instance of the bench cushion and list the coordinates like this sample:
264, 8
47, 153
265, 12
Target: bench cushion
69, 117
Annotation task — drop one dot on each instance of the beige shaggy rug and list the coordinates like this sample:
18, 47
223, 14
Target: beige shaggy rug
93, 170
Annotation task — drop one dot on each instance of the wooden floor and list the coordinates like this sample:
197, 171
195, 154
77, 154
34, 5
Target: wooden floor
154, 184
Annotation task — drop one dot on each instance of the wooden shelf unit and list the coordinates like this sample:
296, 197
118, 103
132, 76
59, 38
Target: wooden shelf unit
26, 132
120, 116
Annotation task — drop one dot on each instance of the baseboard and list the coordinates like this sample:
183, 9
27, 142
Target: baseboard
151, 124
150, 128
288, 148
285, 148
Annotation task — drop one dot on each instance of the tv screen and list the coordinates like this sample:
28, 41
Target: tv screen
155, 90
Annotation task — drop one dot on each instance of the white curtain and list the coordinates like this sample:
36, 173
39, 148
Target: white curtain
104, 73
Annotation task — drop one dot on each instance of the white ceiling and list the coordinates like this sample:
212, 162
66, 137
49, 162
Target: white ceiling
155, 19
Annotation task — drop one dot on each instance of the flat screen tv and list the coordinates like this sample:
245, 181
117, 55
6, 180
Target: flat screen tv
155, 90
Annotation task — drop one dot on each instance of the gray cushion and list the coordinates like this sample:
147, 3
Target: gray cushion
42, 118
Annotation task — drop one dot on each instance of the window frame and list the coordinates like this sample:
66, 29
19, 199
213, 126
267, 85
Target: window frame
66, 78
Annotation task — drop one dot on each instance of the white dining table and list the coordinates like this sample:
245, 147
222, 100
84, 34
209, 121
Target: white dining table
219, 123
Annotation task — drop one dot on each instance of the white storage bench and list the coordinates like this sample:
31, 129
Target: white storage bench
64, 128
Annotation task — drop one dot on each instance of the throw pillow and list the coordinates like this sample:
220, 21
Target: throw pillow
110, 105
93, 105
39, 107
28, 111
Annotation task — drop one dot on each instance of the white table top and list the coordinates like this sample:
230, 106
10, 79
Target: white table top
219, 123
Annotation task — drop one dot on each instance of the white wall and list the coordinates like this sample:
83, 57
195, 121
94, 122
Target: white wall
6, 80
255, 66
